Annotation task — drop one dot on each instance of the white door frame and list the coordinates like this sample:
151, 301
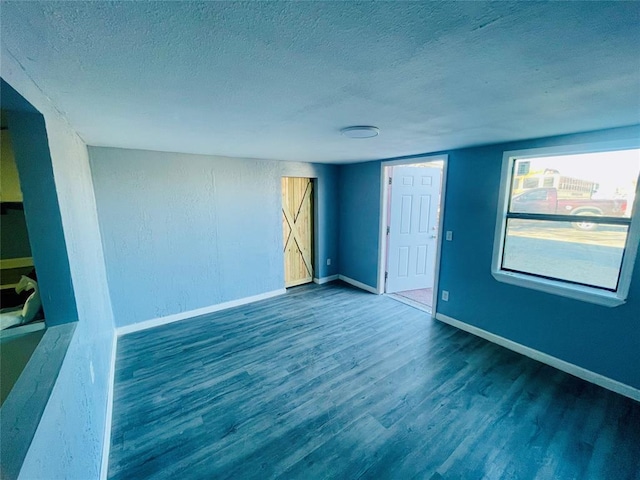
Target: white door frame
384, 194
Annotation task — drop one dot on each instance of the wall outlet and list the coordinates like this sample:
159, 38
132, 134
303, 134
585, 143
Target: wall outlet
328, 261
445, 295
449, 235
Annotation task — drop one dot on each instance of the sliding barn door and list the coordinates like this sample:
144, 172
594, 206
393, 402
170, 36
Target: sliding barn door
297, 228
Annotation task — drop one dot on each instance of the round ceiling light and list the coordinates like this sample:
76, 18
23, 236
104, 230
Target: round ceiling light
360, 131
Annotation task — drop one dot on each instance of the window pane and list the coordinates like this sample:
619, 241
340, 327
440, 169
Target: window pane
602, 183
561, 251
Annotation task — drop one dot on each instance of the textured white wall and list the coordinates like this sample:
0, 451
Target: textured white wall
68, 441
183, 232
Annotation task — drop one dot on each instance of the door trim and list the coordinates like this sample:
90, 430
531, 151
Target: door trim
382, 243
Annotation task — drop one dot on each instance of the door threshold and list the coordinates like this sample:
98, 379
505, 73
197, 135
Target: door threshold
411, 303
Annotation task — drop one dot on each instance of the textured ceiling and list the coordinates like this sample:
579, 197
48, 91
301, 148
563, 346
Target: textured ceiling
279, 79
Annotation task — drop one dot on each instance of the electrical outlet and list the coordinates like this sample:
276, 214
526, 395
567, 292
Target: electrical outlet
445, 295
328, 261
449, 235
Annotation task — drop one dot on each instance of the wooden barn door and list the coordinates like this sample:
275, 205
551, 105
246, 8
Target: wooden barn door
297, 228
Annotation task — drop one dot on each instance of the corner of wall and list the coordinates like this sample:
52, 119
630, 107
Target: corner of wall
68, 442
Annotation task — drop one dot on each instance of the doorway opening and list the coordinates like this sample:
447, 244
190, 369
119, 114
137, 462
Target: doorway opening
31, 351
297, 230
411, 221
21, 313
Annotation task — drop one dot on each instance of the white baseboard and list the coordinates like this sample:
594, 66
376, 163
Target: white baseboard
575, 370
360, 285
106, 445
323, 280
156, 322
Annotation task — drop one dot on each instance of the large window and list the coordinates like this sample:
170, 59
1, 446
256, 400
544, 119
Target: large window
566, 221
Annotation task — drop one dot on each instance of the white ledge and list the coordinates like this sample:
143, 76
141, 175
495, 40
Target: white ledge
554, 287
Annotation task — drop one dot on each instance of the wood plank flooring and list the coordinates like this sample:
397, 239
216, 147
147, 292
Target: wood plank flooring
331, 382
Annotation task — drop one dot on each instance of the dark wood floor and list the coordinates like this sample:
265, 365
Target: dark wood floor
331, 382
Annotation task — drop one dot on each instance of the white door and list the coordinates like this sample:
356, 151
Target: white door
415, 198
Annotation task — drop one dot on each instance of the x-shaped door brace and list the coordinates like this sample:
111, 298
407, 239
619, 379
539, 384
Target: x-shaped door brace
294, 229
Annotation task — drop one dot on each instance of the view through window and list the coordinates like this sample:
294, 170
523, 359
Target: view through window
568, 217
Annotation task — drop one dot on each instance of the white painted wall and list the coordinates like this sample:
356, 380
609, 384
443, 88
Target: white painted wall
68, 441
186, 232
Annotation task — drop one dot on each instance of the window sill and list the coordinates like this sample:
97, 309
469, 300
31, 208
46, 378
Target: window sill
577, 292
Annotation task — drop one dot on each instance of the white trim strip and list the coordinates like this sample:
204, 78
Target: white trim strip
570, 368
156, 322
106, 445
358, 284
323, 280
382, 228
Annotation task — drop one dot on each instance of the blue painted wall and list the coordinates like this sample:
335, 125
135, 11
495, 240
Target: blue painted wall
69, 439
359, 221
600, 339
183, 232
603, 340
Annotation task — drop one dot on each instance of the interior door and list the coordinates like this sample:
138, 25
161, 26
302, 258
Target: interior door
415, 199
297, 228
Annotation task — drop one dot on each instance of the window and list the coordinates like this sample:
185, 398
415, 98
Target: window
568, 225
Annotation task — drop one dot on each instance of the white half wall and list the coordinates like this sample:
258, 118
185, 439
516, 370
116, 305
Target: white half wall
69, 439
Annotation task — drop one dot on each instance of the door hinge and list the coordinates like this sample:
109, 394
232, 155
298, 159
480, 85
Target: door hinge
386, 275
390, 180
388, 230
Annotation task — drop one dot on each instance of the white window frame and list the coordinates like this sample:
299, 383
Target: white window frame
560, 287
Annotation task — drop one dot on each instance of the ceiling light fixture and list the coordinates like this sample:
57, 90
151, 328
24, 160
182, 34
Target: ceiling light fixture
360, 131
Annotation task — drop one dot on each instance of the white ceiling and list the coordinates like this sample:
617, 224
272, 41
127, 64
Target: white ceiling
279, 79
